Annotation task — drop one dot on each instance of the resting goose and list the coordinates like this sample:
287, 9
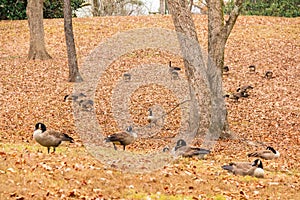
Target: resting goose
234, 96
243, 169
252, 68
172, 68
122, 138
269, 74
49, 138
269, 154
225, 69
74, 97
182, 149
244, 88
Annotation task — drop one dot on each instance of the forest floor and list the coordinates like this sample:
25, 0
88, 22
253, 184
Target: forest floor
33, 91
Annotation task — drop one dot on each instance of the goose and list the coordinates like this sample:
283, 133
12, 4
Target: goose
269, 74
151, 118
243, 169
252, 68
73, 97
122, 138
182, 149
269, 154
127, 77
86, 104
234, 96
244, 88
225, 69
49, 138
172, 68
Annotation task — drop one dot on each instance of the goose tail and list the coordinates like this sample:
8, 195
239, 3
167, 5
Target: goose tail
68, 138
228, 167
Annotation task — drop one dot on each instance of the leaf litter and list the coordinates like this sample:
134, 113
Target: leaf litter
33, 91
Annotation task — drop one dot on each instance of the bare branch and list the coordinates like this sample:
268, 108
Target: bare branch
233, 16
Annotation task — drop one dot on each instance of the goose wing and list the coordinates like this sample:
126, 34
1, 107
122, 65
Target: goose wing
122, 138
55, 135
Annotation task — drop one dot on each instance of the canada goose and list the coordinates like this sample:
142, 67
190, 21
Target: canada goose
49, 138
122, 138
127, 77
86, 104
251, 169
269, 74
151, 118
268, 154
225, 69
74, 97
252, 68
234, 96
171, 68
166, 149
174, 75
244, 88
182, 149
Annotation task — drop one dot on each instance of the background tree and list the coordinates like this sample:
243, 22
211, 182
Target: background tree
162, 7
218, 33
74, 75
37, 49
219, 30
120, 7
206, 80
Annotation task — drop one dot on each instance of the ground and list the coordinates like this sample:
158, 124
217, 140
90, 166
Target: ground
33, 91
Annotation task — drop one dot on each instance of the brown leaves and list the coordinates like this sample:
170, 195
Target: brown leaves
32, 91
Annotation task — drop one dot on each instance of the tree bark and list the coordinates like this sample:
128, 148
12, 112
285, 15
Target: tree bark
218, 33
206, 79
162, 7
37, 49
74, 75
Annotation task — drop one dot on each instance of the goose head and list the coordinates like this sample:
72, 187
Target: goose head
40, 126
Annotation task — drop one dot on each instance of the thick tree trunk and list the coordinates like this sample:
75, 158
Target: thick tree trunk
206, 80
37, 49
74, 75
218, 33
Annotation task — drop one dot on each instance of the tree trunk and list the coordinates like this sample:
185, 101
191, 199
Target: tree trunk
218, 33
162, 7
206, 79
37, 49
74, 75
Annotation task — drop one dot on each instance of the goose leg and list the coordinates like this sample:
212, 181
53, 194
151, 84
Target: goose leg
115, 146
48, 149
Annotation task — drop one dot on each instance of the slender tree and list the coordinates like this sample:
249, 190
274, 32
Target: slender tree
74, 75
37, 49
219, 30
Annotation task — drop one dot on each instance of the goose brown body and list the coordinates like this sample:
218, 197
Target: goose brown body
243, 168
182, 149
269, 154
49, 138
123, 138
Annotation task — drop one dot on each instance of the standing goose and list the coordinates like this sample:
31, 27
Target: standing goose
243, 169
182, 149
122, 138
49, 138
269, 154
151, 118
